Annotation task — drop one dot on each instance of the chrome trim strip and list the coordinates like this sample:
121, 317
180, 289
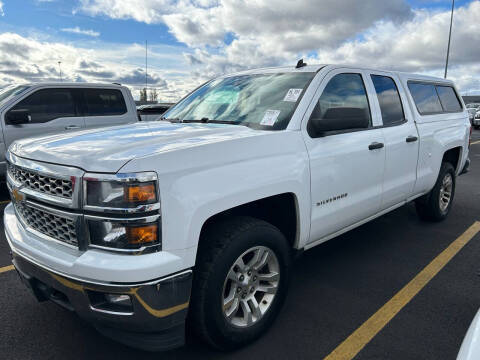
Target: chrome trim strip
110, 312
54, 200
140, 220
46, 268
138, 209
54, 211
123, 177
140, 251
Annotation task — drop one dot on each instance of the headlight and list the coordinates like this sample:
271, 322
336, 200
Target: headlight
135, 197
121, 192
122, 234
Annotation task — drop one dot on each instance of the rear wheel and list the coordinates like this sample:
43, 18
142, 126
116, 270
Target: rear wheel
436, 205
240, 281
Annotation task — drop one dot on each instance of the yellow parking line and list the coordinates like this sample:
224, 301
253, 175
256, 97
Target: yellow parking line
349, 348
475, 142
6, 268
4, 202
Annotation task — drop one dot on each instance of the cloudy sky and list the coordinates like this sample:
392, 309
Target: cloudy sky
190, 41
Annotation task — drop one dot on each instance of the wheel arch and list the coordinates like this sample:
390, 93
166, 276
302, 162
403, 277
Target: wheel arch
453, 156
281, 210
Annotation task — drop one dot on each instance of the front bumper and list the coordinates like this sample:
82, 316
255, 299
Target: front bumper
155, 319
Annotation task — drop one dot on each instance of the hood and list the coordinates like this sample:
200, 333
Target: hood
108, 149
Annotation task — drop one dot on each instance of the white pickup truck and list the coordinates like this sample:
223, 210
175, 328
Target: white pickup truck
42, 108
142, 229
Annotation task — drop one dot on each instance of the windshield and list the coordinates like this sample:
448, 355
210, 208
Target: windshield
11, 91
265, 101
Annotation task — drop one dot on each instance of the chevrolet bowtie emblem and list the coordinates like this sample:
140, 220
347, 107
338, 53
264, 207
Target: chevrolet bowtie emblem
17, 195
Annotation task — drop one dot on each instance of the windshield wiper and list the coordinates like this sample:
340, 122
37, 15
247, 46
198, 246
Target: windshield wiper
172, 120
207, 120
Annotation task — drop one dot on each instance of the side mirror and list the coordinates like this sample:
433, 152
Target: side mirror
18, 117
337, 119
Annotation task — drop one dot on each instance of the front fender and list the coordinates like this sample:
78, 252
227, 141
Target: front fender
210, 179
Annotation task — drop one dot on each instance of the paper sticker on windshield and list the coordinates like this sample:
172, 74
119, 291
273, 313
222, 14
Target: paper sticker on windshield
270, 117
292, 95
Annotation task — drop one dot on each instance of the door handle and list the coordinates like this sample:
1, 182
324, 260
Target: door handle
375, 145
411, 138
72, 127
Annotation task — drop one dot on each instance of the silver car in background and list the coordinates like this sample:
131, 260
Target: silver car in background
473, 109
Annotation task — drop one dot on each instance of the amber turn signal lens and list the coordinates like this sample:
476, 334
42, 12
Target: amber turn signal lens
142, 234
141, 193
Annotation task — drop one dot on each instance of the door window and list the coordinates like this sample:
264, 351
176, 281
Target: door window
389, 100
344, 97
103, 102
48, 104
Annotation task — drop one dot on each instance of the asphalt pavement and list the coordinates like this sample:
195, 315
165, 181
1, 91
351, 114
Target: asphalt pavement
335, 288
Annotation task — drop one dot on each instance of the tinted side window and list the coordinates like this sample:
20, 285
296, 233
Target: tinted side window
448, 98
48, 104
344, 96
389, 100
425, 97
103, 102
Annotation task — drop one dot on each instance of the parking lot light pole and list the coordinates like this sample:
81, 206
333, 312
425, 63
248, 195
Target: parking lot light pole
449, 38
60, 68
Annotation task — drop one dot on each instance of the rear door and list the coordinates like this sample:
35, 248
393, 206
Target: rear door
401, 137
51, 110
105, 107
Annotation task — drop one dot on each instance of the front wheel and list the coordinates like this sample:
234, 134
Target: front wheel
436, 205
240, 281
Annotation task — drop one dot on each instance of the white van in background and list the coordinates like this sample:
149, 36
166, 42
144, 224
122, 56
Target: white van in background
35, 109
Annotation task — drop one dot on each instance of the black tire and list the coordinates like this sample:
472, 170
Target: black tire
221, 244
428, 206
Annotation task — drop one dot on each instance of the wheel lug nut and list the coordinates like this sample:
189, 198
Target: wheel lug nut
243, 296
242, 277
254, 278
252, 289
249, 272
239, 290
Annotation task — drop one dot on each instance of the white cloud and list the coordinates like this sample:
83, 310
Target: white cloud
77, 30
229, 35
1, 9
206, 22
26, 59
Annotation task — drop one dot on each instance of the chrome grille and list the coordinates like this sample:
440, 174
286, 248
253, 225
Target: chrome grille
45, 184
54, 226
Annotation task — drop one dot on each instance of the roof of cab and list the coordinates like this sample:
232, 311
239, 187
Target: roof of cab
74, 84
317, 67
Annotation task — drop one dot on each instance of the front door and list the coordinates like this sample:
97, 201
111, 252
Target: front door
347, 166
